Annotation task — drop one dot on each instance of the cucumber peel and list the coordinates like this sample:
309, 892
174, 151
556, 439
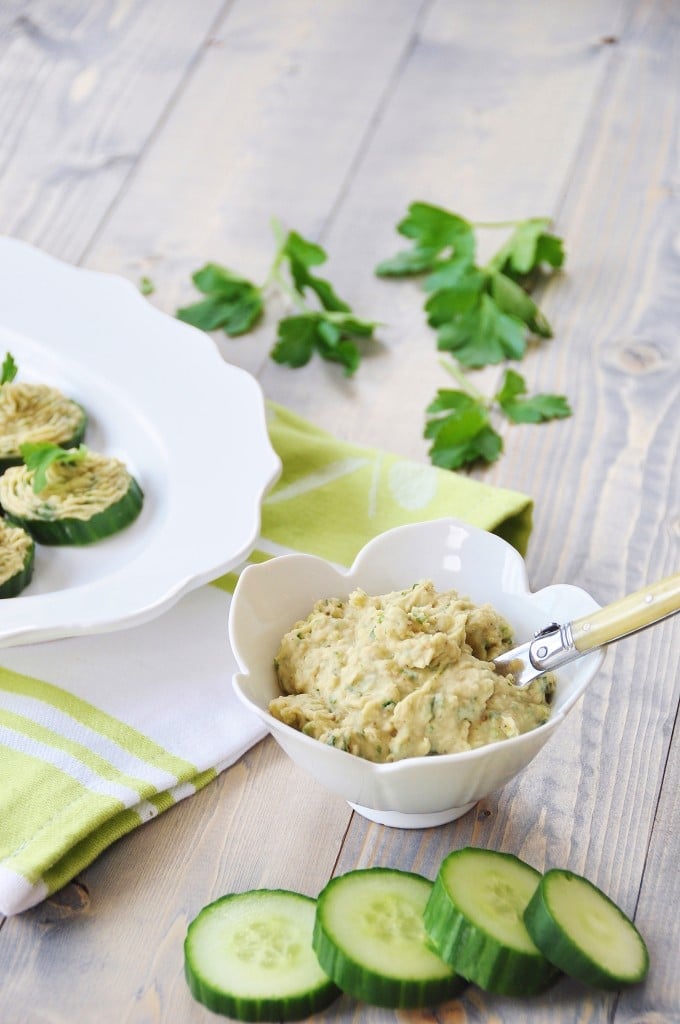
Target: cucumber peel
584, 932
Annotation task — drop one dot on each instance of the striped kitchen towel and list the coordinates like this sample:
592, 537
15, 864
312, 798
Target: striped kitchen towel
98, 734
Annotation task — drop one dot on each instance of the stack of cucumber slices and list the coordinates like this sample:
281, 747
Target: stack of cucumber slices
394, 939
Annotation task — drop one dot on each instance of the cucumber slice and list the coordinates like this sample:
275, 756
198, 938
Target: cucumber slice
249, 956
474, 919
584, 932
17, 555
370, 939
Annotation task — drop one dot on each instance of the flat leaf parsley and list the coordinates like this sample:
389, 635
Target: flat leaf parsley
327, 327
38, 457
9, 369
459, 422
482, 314
536, 409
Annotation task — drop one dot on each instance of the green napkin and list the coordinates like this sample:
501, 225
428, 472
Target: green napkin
91, 746
333, 497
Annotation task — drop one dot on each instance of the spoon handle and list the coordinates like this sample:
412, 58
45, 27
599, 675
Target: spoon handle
629, 615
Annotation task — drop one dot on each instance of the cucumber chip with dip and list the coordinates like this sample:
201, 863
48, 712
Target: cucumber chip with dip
17, 552
34, 413
69, 496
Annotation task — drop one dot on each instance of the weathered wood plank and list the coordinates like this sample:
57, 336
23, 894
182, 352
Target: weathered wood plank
269, 126
659, 901
110, 943
83, 88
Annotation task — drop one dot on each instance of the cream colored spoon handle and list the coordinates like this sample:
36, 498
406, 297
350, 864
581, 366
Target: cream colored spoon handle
630, 614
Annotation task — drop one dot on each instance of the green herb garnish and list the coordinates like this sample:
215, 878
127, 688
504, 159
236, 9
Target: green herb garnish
460, 429
146, 285
9, 369
459, 422
235, 304
38, 457
536, 409
439, 238
482, 314
231, 302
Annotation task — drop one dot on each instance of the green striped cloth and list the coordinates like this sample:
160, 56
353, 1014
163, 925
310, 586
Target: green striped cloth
98, 734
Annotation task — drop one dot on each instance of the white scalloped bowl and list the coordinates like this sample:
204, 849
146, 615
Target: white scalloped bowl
415, 792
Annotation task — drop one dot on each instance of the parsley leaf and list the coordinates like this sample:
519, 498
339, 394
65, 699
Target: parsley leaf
146, 285
9, 369
39, 456
233, 303
301, 255
530, 248
477, 336
513, 300
332, 335
438, 236
296, 340
536, 409
460, 430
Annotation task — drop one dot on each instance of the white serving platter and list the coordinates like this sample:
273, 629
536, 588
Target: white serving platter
189, 426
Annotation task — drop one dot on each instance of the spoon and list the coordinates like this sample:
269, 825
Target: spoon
558, 644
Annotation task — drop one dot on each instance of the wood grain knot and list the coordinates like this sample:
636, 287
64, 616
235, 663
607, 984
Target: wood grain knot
639, 357
71, 901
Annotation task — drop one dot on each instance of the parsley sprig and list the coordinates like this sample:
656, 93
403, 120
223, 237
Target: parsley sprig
482, 314
460, 421
322, 322
9, 369
38, 456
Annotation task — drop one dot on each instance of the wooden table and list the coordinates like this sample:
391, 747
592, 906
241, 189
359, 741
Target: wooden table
146, 138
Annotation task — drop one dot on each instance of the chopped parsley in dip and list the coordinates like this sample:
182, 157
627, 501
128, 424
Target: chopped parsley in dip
36, 413
404, 674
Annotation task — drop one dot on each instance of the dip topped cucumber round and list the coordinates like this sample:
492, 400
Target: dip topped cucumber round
69, 497
36, 413
17, 551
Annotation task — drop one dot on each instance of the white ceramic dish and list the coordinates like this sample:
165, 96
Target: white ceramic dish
190, 427
424, 791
